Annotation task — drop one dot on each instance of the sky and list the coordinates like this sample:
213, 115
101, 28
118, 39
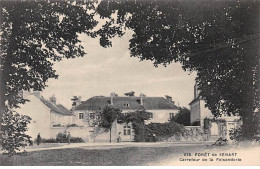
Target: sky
105, 70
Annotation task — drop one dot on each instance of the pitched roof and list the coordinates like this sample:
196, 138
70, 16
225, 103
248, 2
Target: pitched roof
132, 103
64, 109
194, 100
56, 108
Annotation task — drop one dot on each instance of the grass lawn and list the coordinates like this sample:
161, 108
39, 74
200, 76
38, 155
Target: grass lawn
98, 157
45, 145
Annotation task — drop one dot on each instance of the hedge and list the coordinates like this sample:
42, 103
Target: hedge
62, 138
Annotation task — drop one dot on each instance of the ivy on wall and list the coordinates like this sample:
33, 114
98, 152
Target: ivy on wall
144, 132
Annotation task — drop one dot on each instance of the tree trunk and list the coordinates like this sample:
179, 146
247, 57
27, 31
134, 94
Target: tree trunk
110, 135
95, 135
2, 101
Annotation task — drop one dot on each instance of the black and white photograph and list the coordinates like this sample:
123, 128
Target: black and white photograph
129, 83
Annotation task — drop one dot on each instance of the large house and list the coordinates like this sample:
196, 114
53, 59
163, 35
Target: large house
50, 118
47, 116
161, 109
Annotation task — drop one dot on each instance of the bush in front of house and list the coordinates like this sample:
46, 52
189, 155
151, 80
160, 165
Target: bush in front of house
50, 140
182, 117
76, 140
153, 131
141, 132
164, 131
157, 131
62, 138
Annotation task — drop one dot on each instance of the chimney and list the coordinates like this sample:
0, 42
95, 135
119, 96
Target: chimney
169, 98
78, 101
112, 95
141, 99
196, 91
53, 99
37, 93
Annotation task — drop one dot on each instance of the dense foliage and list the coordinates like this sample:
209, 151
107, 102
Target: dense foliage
182, 117
137, 119
166, 130
34, 35
14, 127
236, 134
218, 40
146, 132
62, 138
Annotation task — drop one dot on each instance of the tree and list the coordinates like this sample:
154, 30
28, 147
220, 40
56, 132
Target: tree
34, 35
108, 117
209, 37
14, 128
218, 40
182, 117
75, 100
132, 93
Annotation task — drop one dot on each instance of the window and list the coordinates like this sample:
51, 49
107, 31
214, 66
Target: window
92, 115
171, 115
151, 115
127, 104
127, 130
81, 116
124, 114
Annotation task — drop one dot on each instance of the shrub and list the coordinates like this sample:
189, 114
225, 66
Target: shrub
166, 130
182, 117
145, 132
141, 132
50, 140
62, 138
14, 127
160, 130
76, 140
220, 142
236, 134
72, 140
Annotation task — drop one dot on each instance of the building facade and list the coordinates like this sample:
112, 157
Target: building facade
161, 109
48, 118
216, 127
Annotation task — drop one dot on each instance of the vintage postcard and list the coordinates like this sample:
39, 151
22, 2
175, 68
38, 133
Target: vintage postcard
129, 83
